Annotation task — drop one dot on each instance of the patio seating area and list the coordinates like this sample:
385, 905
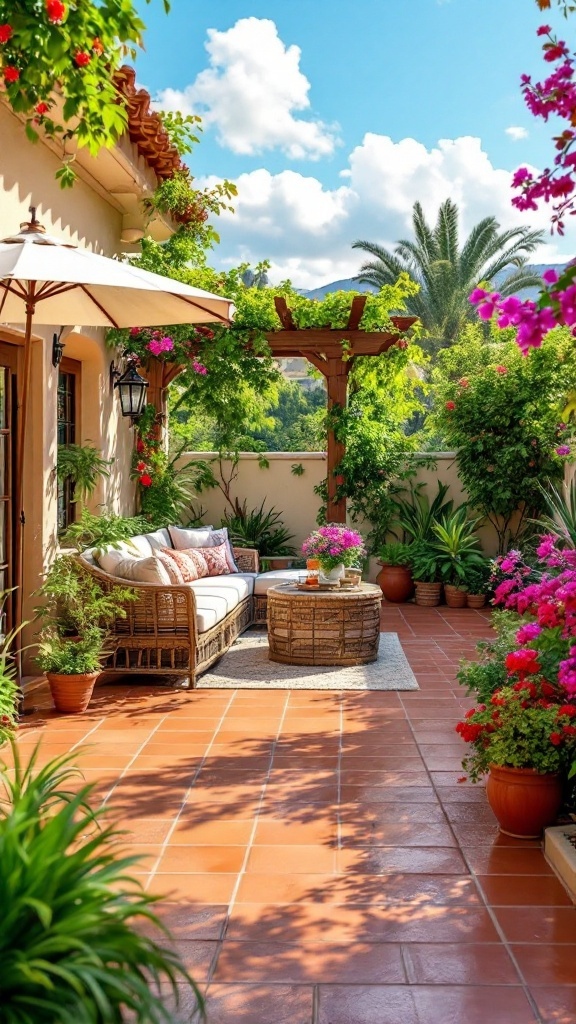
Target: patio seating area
318, 860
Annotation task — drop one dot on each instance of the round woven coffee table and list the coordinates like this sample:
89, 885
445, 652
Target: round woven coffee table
326, 627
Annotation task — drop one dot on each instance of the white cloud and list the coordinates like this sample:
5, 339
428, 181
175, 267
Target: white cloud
251, 93
516, 133
307, 230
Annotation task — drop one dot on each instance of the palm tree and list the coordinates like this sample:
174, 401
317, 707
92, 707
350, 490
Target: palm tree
447, 273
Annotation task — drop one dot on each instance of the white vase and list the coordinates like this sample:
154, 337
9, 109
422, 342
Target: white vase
332, 575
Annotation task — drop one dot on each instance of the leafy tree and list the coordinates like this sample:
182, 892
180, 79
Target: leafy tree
447, 271
500, 412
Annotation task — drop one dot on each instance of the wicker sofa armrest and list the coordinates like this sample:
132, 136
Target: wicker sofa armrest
247, 559
156, 609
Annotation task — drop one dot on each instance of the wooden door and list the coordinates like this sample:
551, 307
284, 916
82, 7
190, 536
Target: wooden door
8, 407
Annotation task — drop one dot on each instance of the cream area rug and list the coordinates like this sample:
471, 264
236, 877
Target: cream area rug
246, 666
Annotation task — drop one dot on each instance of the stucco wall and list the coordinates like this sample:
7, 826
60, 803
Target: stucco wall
294, 495
84, 216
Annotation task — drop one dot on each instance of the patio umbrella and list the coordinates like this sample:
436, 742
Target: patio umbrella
45, 280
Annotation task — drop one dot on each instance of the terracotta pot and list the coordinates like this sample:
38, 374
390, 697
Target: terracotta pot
475, 600
523, 801
395, 582
280, 562
455, 597
71, 694
428, 594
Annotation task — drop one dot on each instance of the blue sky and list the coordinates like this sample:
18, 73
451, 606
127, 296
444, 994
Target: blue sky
333, 118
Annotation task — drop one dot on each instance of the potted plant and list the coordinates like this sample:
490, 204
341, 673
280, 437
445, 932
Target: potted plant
478, 583
79, 940
426, 574
395, 576
458, 551
71, 666
76, 612
336, 547
524, 739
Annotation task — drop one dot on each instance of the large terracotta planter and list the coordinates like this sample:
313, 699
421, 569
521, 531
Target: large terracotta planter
523, 801
428, 594
71, 694
475, 600
395, 582
455, 597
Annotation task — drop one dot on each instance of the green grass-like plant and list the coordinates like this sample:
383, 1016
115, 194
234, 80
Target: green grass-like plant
260, 529
103, 530
71, 951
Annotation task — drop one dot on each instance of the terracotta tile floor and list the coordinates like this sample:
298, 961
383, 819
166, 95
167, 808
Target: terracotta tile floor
318, 861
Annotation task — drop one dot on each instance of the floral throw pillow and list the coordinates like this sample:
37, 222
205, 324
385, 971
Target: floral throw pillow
184, 566
216, 560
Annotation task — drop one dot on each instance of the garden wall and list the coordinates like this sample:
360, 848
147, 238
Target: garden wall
294, 496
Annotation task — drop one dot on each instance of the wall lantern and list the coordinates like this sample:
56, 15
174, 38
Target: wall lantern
57, 349
131, 389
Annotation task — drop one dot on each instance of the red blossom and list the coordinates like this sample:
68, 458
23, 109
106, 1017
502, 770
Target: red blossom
141, 466
56, 11
555, 739
145, 480
97, 46
450, 406
11, 75
81, 58
5, 32
41, 108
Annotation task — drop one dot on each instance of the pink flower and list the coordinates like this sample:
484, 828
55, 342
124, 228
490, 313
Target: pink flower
550, 276
563, 449
501, 369
528, 632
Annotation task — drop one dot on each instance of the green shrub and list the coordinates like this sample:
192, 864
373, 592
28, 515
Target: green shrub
481, 678
70, 948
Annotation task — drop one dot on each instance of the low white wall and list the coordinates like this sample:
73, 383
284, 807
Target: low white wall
293, 495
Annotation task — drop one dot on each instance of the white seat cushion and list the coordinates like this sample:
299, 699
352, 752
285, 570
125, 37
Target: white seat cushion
218, 595
264, 580
109, 557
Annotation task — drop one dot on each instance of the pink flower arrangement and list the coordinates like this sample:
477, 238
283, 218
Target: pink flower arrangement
159, 345
334, 544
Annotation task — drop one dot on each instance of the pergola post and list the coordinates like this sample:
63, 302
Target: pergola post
160, 375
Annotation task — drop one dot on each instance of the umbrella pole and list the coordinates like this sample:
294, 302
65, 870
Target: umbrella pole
19, 495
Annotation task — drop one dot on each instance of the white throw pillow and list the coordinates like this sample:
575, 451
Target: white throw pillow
205, 537
143, 570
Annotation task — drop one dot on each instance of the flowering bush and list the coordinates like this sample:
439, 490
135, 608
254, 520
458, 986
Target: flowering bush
177, 347
334, 545
527, 725
75, 47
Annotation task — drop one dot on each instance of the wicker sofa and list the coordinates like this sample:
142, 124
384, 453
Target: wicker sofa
180, 630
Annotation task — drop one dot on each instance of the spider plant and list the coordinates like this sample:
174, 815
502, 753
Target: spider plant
71, 948
416, 516
263, 530
83, 465
560, 520
457, 546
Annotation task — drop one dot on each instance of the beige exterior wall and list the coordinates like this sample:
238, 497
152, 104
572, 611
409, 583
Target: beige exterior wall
294, 495
89, 215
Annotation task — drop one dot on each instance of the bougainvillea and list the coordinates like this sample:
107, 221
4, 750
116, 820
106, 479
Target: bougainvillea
70, 49
334, 544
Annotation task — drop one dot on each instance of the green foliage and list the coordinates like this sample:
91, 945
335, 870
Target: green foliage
416, 516
181, 129
9, 691
45, 55
446, 271
477, 577
73, 602
501, 415
73, 948
334, 309
481, 678
457, 546
71, 657
518, 738
83, 465
103, 530
425, 562
395, 553
260, 529
559, 516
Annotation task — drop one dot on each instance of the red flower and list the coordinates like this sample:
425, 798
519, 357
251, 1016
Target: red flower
569, 730
145, 480
525, 661
140, 445
567, 709
450, 406
401, 343
141, 466
548, 690
5, 32
11, 75
41, 108
81, 58
56, 11
501, 369
97, 46
555, 738
464, 382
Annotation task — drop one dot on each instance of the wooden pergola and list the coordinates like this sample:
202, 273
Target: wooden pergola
333, 352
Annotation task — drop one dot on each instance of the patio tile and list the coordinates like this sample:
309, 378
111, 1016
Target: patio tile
357, 906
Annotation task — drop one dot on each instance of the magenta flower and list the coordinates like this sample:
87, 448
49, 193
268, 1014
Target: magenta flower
563, 449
